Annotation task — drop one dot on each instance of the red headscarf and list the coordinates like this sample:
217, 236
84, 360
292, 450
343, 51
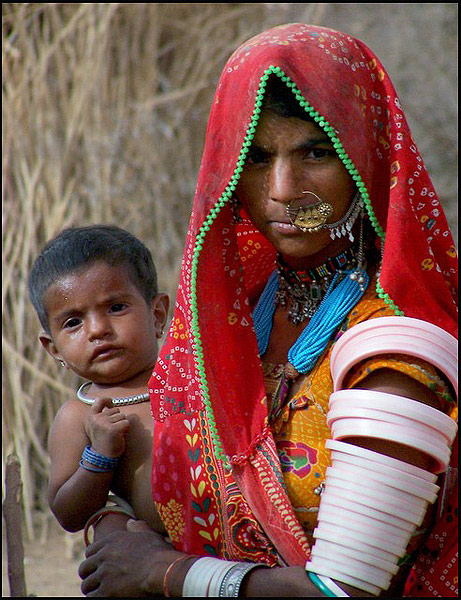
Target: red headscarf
210, 360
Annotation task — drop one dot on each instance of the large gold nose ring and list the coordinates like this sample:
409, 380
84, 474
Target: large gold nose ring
309, 217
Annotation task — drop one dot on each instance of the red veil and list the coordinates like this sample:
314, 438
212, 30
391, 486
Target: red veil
208, 381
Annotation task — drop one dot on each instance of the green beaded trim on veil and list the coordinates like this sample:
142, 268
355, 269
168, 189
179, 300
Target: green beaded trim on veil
227, 195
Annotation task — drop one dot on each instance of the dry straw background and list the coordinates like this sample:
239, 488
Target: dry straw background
104, 113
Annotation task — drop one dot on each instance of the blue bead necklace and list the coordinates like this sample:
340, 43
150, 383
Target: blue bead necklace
345, 290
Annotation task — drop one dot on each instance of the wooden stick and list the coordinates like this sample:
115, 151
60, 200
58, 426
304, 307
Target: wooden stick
12, 512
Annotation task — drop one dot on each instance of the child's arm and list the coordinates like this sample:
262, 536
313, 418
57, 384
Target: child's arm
75, 493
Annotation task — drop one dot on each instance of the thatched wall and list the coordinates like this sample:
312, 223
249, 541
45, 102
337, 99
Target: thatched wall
104, 112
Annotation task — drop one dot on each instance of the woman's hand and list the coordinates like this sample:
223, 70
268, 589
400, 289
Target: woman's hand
107, 428
133, 564
127, 564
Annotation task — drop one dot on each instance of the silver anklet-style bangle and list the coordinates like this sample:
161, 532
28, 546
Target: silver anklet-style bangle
230, 585
213, 577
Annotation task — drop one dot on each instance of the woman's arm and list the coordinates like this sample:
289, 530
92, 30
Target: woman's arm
75, 493
395, 382
287, 582
135, 563
108, 524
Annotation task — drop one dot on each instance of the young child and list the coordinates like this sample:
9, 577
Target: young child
95, 292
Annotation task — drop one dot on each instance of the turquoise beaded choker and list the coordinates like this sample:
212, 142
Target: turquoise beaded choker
344, 292
346, 286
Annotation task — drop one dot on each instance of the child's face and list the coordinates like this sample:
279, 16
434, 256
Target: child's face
101, 325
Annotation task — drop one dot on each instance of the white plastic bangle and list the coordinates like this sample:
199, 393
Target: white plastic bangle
395, 406
366, 575
338, 412
401, 479
377, 486
354, 568
333, 587
339, 501
380, 459
361, 473
198, 578
397, 433
193, 586
332, 549
393, 506
212, 578
330, 534
402, 335
356, 522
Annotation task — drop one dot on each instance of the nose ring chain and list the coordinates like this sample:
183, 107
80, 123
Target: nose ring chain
314, 217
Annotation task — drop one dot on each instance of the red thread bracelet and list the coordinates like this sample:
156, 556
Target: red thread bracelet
166, 592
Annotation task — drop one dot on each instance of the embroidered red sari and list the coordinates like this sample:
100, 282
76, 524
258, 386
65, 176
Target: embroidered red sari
217, 480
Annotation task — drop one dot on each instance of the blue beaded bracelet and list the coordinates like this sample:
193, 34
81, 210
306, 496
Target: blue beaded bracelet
93, 469
98, 462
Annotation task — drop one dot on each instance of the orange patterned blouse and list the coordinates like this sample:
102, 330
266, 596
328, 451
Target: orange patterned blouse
300, 427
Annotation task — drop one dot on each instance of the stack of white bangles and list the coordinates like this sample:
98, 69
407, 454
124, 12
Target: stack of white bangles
212, 577
372, 504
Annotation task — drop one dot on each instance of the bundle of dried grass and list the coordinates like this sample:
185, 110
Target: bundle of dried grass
104, 111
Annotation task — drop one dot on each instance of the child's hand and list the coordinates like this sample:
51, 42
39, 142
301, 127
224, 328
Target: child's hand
107, 428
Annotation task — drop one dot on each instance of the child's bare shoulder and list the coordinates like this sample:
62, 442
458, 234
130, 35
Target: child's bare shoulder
69, 429
71, 413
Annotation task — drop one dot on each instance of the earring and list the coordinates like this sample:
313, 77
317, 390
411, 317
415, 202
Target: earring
62, 363
357, 275
235, 206
344, 225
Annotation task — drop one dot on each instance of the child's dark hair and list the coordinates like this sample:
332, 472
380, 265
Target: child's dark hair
76, 247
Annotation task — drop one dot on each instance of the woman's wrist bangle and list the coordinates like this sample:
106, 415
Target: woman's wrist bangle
232, 580
166, 591
213, 577
97, 463
333, 587
320, 585
100, 514
327, 586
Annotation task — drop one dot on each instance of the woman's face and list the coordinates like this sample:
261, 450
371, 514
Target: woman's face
289, 156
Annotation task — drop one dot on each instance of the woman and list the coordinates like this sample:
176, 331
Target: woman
310, 188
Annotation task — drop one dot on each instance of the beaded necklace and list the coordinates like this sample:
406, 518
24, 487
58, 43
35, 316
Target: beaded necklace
344, 291
306, 288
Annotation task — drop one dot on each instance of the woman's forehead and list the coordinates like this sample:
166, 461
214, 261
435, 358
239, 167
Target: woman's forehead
273, 127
